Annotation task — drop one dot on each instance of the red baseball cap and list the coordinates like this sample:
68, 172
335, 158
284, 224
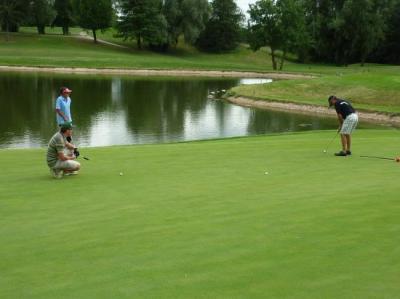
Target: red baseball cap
65, 90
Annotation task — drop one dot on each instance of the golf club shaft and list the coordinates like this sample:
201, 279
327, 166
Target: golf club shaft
330, 142
377, 157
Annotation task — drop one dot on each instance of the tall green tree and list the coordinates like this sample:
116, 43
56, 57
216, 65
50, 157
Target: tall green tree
10, 15
64, 17
94, 15
390, 49
143, 21
278, 25
364, 23
222, 32
264, 28
294, 35
346, 31
187, 18
42, 14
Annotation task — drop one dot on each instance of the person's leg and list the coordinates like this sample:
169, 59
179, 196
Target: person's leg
348, 144
66, 167
343, 139
56, 173
72, 166
348, 127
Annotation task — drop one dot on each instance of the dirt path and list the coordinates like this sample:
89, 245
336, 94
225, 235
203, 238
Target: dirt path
312, 110
143, 72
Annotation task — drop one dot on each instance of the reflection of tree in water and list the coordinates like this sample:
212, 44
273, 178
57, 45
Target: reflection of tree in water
160, 106
151, 105
27, 103
90, 97
268, 121
24, 106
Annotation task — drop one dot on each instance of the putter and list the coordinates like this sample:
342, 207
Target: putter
330, 142
377, 157
86, 158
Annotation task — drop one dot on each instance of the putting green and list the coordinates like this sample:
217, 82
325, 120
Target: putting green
204, 220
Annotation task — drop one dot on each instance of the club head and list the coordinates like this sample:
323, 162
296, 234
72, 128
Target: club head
86, 158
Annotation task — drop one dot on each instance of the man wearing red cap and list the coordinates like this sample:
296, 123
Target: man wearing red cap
63, 106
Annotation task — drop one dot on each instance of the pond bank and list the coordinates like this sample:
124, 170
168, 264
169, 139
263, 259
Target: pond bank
153, 72
311, 109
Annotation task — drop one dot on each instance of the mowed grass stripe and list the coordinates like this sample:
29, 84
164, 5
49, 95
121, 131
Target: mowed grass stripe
203, 220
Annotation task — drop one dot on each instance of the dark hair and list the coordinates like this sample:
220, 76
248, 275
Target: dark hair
330, 99
64, 129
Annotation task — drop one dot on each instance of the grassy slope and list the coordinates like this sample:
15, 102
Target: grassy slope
54, 50
373, 88
202, 220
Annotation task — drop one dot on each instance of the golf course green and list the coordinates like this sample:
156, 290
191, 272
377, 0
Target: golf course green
259, 217
270, 216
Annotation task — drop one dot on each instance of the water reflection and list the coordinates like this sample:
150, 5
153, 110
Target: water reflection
111, 110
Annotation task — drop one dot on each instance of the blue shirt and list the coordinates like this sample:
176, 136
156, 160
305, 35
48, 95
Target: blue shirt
64, 105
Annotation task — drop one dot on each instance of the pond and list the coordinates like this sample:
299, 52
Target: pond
119, 110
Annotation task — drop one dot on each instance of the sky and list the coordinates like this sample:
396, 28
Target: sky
244, 4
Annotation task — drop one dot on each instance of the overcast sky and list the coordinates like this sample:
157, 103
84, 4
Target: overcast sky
244, 4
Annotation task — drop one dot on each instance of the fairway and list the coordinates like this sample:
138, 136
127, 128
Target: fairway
256, 217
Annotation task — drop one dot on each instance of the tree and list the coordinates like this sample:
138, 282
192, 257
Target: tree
185, 17
363, 27
264, 27
390, 49
64, 17
346, 31
42, 14
294, 36
143, 21
222, 32
279, 25
10, 14
94, 15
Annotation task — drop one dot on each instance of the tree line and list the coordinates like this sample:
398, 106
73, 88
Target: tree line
331, 31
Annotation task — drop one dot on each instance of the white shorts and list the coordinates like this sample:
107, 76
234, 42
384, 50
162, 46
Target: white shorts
349, 124
66, 165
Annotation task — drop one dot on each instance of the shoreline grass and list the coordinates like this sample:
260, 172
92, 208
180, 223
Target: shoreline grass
370, 91
203, 220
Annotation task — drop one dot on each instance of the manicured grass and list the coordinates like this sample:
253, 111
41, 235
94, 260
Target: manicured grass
53, 49
28, 49
203, 220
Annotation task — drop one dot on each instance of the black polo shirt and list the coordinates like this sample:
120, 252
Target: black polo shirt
344, 108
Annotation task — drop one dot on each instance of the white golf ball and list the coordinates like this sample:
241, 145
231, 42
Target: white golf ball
266, 172
121, 173
324, 151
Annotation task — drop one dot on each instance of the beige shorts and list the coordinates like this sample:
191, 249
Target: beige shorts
349, 124
66, 165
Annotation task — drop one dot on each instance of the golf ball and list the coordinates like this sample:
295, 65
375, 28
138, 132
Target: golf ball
121, 173
324, 151
266, 172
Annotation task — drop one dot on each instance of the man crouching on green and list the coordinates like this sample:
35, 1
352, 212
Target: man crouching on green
60, 153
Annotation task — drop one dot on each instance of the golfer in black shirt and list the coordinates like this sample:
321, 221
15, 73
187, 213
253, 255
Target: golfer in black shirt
348, 120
